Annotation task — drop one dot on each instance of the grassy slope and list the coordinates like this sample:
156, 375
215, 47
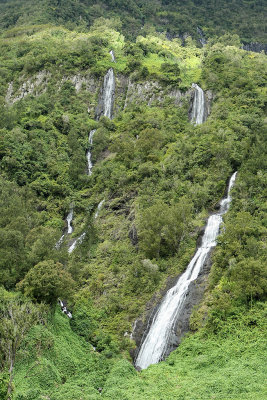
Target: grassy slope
228, 366
55, 362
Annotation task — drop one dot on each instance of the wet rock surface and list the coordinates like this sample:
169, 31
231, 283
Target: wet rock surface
208, 96
193, 298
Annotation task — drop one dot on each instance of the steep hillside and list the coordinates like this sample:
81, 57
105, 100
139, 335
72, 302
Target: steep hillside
107, 180
176, 18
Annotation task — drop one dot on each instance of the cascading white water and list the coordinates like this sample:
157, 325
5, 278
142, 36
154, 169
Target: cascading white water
64, 309
156, 342
89, 154
108, 100
69, 221
108, 93
112, 55
77, 241
198, 110
59, 243
80, 239
100, 205
69, 230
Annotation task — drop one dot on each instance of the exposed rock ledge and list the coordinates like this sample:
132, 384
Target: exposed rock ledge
35, 85
127, 92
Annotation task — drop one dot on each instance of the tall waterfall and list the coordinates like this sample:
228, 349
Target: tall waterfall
108, 93
155, 345
89, 154
108, 100
198, 110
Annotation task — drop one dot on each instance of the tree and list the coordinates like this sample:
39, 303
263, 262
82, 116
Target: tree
47, 281
249, 279
17, 316
161, 227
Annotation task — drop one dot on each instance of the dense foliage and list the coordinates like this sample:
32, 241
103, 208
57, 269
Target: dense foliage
176, 18
157, 177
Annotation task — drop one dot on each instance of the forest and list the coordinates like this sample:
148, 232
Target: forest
177, 18
136, 219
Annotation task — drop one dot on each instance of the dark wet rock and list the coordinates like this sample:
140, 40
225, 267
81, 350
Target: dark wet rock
200, 234
133, 235
201, 36
194, 295
255, 47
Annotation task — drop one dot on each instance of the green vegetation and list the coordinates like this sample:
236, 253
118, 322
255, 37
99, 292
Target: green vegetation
177, 18
158, 176
225, 366
55, 362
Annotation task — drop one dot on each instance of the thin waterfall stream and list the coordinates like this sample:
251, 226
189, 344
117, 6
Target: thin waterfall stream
69, 221
155, 344
89, 154
108, 102
112, 55
69, 229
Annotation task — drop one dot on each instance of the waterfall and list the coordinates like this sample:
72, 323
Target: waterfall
107, 100
202, 38
198, 110
80, 239
59, 243
108, 93
69, 230
112, 55
89, 154
100, 205
77, 241
154, 347
69, 221
64, 308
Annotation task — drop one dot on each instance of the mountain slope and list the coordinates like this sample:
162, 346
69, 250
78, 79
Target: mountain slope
156, 176
245, 18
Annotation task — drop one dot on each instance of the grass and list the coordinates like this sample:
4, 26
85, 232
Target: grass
57, 363
223, 367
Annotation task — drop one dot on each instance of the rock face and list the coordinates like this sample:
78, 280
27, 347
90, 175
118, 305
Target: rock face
150, 92
125, 92
35, 86
255, 47
201, 36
